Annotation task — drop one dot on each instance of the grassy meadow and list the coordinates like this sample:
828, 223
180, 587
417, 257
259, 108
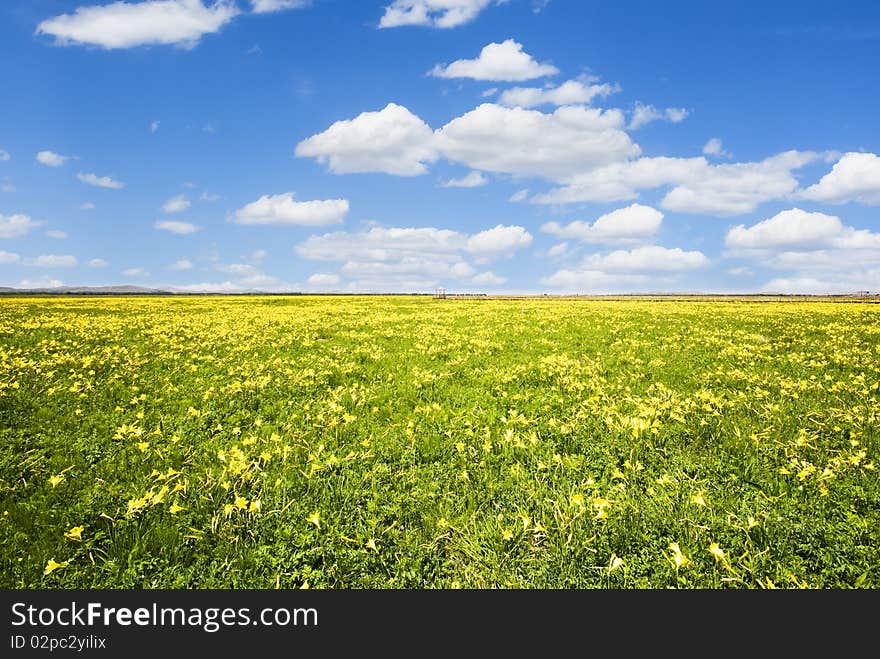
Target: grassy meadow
408, 442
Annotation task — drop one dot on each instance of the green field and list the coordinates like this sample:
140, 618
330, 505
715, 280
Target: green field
407, 442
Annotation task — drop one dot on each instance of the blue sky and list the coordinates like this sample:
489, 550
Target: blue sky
521, 146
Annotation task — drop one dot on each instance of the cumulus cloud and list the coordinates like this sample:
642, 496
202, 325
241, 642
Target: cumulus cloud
268, 6
100, 181
641, 269
488, 278
699, 187
799, 228
7, 258
282, 209
715, 147
51, 159
645, 114
528, 142
128, 25
855, 177
433, 13
176, 204
473, 180
321, 279
406, 259
505, 61
15, 226
41, 282
392, 140
632, 224
182, 264
571, 92
180, 228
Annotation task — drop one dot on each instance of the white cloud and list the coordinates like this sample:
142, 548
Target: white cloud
4, 155
51, 261
209, 196
855, 177
519, 195
408, 259
268, 6
59, 235
283, 210
128, 25
643, 268
841, 283
51, 159
433, 13
87, 206
180, 228
473, 180
42, 282
504, 61
257, 256
14, 226
7, 187
498, 241
799, 228
558, 250
632, 224
726, 189
528, 142
176, 204
154, 126
239, 269
571, 92
486, 93
100, 181
182, 264
97, 263
323, 279
645, 114
392, 140
488, 279
135, 272
714, 147
7, 258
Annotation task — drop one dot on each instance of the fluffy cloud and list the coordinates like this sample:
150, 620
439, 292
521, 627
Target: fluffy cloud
641, 268
180, 228
51, 261
488, 279
392, 140
434, 13
855, 177
401, 259
571, 92
283, 210
645, 114
528, 142
504, 61
323, 279
42, 282
632, 224
714, 147
268, 6
7, 258
135, 272
176, 204
100, 181
699, 187
182, 264
51, 159
473, 180
14, 226
799, 228
127, 25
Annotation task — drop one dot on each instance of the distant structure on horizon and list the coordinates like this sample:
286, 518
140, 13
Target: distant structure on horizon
440, 294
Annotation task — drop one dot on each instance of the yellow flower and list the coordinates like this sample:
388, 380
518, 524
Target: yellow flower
507, 534
716, 551
255, 506
75, 533
698, 499
614, 563
143, 446
752, 522
56, 480
241, 503
315, 518
371, 544
51, 566
227, 509
174, 509
678, 558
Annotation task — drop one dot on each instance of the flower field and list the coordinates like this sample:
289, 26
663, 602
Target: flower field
408, 442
